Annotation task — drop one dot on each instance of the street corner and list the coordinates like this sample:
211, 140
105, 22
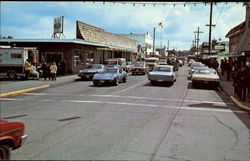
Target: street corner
23, 91
239, 104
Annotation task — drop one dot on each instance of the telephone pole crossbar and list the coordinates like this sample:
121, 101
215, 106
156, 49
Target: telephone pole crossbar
198, 32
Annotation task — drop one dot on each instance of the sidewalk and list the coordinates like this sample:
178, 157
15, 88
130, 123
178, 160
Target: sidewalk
227, 87
21, 86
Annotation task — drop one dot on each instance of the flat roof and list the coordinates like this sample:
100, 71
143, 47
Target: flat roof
74, 41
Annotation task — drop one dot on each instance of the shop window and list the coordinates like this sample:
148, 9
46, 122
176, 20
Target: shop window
78, 59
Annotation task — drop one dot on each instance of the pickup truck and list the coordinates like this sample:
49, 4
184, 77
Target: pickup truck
12, 136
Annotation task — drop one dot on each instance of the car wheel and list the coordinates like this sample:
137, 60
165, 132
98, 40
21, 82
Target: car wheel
95, 84
12, 75
116, 82
125, 79
4, 152
152, 82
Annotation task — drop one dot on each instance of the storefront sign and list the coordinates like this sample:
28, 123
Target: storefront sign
58, 25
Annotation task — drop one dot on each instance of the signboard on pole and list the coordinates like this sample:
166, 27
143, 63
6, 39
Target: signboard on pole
58, 25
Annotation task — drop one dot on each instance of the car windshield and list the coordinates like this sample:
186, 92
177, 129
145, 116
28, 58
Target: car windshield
202, 71
94, 66
162, 69
111, 70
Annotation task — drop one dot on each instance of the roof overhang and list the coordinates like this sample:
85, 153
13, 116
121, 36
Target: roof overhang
73, 41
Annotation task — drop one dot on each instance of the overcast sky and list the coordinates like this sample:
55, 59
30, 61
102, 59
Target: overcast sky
34, 20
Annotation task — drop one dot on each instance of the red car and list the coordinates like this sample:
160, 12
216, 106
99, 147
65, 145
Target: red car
11, 137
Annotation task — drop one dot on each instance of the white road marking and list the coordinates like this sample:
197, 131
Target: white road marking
134, 104
131, 87
134, 97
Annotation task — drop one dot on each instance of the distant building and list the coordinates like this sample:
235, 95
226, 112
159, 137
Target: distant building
145, 43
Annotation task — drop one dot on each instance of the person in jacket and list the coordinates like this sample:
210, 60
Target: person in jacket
242, 77
27, 69
53, 71
46, 70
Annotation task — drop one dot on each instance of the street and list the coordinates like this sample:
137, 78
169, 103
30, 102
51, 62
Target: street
131, 121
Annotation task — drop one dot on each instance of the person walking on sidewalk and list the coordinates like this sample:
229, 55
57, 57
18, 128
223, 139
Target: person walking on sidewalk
222, 67
243, 82
53, 71
27, 68
46, 70
228, 69
235, 79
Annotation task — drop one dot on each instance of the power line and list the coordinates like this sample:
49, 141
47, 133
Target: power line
220, 14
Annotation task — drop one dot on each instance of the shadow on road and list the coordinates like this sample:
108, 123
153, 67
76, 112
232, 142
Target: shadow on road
244, 116
158, 84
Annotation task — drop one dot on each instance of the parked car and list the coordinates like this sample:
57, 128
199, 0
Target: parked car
191, 71
205, 77
91, 70
12, 136
163, 73
140, 68
111, 76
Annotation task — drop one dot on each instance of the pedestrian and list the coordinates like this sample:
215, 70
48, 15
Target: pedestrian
34, 71
235, 79
46, 70
228, 69
27, 68
222, 67
243, 82
53, 71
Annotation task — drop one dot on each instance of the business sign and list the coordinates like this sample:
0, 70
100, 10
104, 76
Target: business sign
58, 25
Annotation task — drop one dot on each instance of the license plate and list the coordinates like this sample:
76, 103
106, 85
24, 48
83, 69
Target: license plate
102, 81
160, 80
87, 76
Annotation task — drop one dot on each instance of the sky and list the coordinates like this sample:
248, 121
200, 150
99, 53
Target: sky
34, 19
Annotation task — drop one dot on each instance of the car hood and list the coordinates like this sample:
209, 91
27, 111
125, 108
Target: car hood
90, 70
104, 75
160, 73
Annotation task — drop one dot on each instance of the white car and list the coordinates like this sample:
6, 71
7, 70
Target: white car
163, 73
205, 77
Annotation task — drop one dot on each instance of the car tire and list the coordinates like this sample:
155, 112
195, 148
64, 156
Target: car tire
116, 82
95, 84
4, 152
152, 82
12, 75
125, 79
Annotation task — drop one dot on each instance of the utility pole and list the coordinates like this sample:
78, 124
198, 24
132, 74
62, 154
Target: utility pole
168, 44
210, 25
198, 32
154, 42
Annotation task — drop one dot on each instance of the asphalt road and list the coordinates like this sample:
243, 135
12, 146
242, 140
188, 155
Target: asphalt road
133, 121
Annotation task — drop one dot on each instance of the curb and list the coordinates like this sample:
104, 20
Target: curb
23, 91
235, 101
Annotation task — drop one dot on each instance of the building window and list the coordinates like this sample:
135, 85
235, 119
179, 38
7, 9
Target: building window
16, 55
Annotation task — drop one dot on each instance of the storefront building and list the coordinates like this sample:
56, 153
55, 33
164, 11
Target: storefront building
92, 45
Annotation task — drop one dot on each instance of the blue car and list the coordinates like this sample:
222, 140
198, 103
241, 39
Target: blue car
111, 76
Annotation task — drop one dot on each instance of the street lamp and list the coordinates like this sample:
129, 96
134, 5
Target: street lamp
159, 25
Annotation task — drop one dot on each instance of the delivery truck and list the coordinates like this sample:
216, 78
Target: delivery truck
12, 60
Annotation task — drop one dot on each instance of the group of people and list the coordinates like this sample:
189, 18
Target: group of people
48, 70
239, 74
